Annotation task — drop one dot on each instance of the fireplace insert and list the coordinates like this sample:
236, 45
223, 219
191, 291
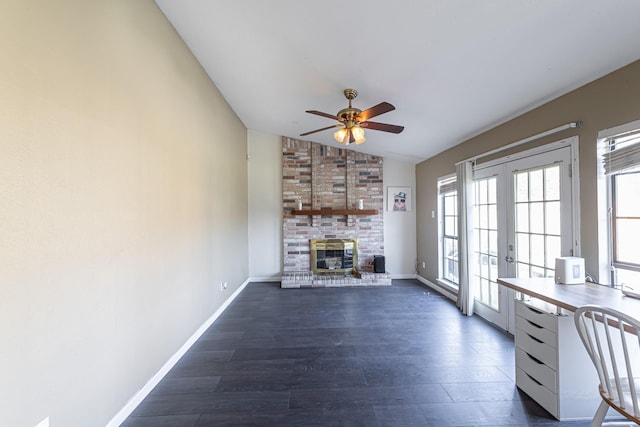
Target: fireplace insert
334, 256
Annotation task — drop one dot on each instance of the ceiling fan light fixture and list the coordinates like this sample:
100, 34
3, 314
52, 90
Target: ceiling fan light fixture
353, 120
342, 136
358, 134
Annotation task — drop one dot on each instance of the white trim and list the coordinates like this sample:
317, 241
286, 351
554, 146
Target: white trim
445, 284
403, 276
617, 130
523, 141
571, 141
440, 223
574, 143
139, 396
265, 279
437, 288
604, 201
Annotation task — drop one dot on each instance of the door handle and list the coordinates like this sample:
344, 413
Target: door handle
509, 259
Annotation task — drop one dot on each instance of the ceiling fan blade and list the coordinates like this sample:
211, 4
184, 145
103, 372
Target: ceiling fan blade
382, 126
320, 113
376, 110
319, 130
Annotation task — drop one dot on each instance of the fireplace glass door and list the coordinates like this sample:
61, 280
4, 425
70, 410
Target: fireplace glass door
334, 256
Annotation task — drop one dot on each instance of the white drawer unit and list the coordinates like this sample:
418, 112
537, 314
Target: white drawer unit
552, 366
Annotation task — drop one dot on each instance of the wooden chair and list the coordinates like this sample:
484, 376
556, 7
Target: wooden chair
612, 340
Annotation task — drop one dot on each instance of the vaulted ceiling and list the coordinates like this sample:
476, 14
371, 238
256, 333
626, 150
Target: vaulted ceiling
452, 68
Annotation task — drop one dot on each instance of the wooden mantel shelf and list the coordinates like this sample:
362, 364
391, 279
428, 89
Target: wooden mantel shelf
335, 212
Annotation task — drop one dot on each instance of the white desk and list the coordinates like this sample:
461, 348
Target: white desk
552, 366
570, 297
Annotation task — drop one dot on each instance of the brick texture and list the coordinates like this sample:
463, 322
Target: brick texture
326, 177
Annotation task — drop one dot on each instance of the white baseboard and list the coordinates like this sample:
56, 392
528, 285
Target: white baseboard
137, 398
440, 289
403, 276
265, 279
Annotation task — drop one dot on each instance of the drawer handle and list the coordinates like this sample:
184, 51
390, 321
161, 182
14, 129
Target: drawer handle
535, 339
539, 362
535, 310
535, 325
534, 380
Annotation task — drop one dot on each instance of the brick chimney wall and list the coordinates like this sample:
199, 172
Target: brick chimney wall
325, 177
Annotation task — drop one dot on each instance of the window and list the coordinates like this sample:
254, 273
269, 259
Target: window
621, 164
448, 230
625, 226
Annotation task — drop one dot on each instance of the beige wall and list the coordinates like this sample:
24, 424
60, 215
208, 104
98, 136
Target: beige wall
609, 101
123, 205
265, 206
399, 227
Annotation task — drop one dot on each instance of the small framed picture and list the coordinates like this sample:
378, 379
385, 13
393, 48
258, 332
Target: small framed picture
399, 199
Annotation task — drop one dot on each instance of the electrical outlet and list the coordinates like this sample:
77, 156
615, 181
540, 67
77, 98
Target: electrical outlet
223, 286
424, 265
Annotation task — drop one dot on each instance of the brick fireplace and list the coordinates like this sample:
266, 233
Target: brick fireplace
318, 177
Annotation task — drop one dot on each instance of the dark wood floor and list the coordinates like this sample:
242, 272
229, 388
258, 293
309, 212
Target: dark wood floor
388, 356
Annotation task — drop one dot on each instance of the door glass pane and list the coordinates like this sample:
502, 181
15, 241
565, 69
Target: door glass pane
493, 294
484, 217
552, 217
522, 245
536, 252
539, 244
536, 188
552, 184
482, 193
486, 242
522, 187
553, 251
536, 217
537, 272
493, 219
522, 218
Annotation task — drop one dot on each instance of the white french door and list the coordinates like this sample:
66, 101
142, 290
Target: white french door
523, 214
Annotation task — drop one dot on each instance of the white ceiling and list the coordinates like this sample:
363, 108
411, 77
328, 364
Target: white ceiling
452, 68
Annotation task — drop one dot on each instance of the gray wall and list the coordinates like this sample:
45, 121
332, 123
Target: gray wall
604, 103
123, 205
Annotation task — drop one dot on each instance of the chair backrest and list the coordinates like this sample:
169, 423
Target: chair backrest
612, 340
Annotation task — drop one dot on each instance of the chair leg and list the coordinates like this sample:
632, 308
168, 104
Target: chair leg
598, 418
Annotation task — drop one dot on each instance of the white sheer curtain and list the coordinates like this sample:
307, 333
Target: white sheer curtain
464, 175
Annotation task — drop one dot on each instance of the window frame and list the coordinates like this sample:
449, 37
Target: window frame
615, 260
443, 257
607, 207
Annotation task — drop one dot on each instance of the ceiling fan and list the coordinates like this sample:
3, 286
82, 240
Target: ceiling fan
353, 121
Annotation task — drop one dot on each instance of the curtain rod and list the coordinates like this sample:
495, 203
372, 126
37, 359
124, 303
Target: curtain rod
523, 141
